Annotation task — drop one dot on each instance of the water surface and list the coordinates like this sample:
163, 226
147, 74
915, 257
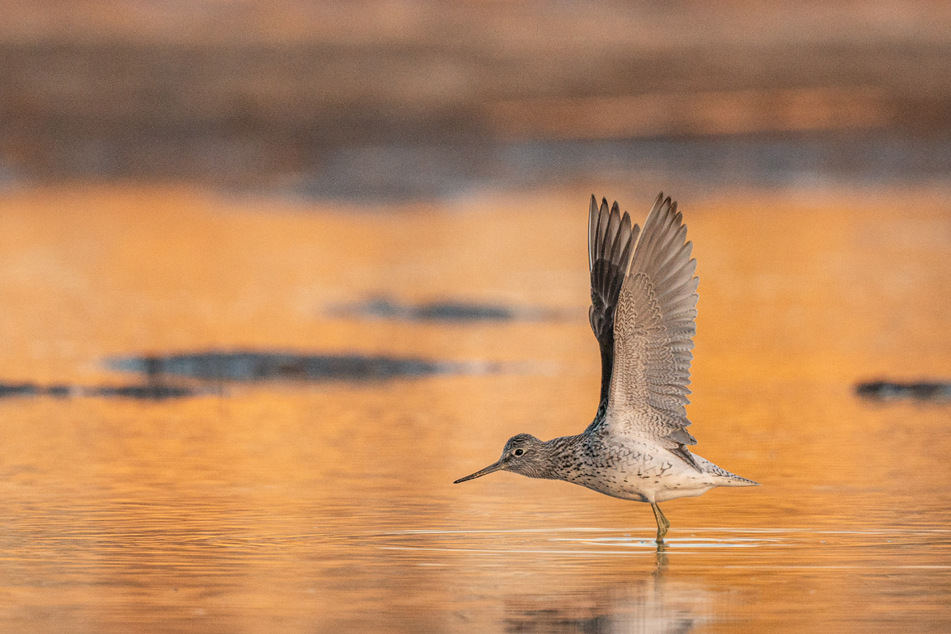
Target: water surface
301, 504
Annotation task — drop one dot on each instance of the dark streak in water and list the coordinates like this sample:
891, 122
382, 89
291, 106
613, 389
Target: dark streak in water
443, 311
249, 366
145, 392
246, 366
893, 390
18, 389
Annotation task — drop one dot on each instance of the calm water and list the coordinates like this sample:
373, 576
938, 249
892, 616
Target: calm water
293, 499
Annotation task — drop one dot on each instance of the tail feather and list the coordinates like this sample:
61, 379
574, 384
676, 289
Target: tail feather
723, 477
728, 479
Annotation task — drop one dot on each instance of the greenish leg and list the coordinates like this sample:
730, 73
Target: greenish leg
662, 523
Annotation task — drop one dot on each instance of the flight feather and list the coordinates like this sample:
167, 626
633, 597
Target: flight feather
611, 238
654, 325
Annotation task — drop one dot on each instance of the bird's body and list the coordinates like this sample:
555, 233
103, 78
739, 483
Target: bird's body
643, 312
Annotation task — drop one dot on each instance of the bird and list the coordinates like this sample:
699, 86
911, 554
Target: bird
643, 314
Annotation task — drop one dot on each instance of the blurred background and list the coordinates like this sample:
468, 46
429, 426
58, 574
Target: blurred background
415, 99
274, 274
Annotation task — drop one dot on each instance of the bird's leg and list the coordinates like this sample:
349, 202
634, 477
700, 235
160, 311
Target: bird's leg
662, 523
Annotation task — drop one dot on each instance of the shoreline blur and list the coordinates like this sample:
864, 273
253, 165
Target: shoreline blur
415, 99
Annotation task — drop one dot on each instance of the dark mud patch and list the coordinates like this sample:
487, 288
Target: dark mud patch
147, 392
143, 392
450, 311
20, 389
882, 390
201, 373
255, 366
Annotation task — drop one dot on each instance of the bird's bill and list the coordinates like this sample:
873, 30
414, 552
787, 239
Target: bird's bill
478, 474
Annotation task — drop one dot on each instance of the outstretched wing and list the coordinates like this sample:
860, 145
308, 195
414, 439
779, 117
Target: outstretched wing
654, 325
610, 241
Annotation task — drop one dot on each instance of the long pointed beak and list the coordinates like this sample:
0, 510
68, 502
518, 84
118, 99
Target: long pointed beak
478, 474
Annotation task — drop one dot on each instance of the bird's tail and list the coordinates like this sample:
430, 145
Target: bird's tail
728, 479
722, 477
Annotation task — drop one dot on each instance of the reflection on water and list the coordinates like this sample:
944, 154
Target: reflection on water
307, 503
648, 604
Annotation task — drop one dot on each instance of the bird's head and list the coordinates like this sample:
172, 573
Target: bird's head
522, 454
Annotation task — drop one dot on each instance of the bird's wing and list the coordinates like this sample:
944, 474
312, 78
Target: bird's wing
654, 325
611, 239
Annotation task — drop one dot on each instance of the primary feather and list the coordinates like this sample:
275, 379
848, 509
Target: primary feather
654, 325
611, 239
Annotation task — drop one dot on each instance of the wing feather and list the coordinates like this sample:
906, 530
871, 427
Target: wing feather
611, 238
654, 325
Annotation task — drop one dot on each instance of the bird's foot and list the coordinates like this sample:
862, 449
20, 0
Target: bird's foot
662, 523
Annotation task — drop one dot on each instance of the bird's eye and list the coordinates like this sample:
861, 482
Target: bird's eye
519, 452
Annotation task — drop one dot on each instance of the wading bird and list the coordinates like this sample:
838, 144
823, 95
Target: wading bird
643, 313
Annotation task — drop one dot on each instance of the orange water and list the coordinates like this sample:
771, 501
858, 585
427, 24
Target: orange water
309, 506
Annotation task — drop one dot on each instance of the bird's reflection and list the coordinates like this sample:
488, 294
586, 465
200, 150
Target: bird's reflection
661, 558
649, 601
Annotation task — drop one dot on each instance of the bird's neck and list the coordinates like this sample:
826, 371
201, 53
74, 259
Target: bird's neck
563, 458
